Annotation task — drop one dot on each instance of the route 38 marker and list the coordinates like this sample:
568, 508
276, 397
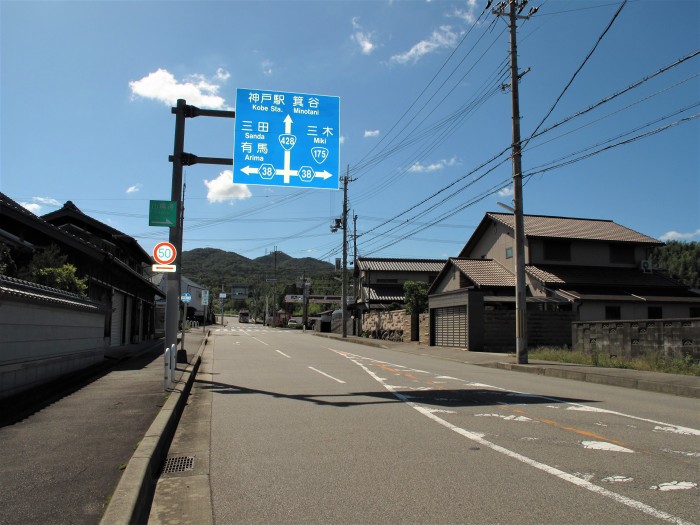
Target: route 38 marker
286, 139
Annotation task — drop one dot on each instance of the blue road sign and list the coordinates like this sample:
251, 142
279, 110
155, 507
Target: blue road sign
286, 139
186, 297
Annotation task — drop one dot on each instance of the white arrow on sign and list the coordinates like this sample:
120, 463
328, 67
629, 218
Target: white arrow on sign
286, 171
166, 221
248, 170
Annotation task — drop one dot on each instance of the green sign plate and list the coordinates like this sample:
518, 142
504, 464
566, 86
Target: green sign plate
163, 213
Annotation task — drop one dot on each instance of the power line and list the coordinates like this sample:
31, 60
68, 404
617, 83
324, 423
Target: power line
578, 70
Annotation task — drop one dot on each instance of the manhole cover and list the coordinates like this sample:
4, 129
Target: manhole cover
178, 464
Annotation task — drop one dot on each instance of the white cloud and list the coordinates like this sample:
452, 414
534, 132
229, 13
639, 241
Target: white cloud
133, 189
364, 39
222, 75
266, 66
161, 85
677, 236
46, 201
371, 133
468, 14
506, 192
223, 189
37, 204
435, 166
443, 37
32, 207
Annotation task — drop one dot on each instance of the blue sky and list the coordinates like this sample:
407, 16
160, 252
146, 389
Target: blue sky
424, 124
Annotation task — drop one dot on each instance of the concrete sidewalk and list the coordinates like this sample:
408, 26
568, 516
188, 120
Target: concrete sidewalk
65, 445
676, 384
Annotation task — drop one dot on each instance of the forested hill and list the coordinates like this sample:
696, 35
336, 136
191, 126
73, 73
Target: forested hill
212, 267
679, 260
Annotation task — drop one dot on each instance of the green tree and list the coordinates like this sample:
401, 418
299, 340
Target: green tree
416, 299
62, 278
680, 260
7, 263
49, 267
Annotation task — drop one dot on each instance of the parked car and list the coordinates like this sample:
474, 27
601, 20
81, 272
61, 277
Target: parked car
293, 323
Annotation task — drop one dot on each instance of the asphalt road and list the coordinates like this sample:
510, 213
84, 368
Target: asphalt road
311, 430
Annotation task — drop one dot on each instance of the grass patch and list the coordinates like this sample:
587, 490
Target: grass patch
651, 363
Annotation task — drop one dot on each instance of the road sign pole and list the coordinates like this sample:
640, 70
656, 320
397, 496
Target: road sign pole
172, 298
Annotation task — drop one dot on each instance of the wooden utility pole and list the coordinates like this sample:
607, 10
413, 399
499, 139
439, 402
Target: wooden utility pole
344, 293
513, 14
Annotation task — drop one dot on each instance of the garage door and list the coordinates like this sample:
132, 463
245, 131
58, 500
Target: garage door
451, 326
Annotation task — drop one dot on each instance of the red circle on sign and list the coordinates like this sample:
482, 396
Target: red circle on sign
164, 253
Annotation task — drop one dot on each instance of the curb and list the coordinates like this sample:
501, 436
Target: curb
131, 501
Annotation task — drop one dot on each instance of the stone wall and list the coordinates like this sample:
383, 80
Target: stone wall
376, 322
671, 337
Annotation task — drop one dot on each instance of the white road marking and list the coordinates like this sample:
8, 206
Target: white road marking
507, 418
260, 341
617, 479
285, 355
324, 374
675, 485
682, 453
473, 436
604, 445
676, 430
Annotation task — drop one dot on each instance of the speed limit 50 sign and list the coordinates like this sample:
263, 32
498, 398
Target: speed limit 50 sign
164, 253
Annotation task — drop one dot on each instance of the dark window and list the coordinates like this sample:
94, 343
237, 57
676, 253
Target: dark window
694, 311
387, 281
557, 251
509, 252
622, 254
654, 312
612, 312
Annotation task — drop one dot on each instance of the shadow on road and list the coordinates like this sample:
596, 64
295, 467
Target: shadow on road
462, 397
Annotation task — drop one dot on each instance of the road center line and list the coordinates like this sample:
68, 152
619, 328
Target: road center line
637, 505
259, 341
324, 374
281, 352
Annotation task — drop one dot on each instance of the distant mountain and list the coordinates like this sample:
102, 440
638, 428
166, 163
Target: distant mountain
212, 267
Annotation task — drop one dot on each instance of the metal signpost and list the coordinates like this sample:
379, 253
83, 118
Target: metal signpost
286, 139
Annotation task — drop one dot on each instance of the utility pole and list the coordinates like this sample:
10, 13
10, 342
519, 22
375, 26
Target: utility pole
344, 294
356, 324
515, 8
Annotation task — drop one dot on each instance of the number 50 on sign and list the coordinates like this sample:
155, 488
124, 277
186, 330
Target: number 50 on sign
164, 253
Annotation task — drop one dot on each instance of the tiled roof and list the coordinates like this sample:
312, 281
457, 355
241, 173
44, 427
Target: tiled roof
484, 272
560, 276
400, 265
385, 294
571, 228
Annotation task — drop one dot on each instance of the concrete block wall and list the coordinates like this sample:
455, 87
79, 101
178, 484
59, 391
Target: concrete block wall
632, 338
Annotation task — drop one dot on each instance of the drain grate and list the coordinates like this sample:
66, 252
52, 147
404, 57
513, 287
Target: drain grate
178, 464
